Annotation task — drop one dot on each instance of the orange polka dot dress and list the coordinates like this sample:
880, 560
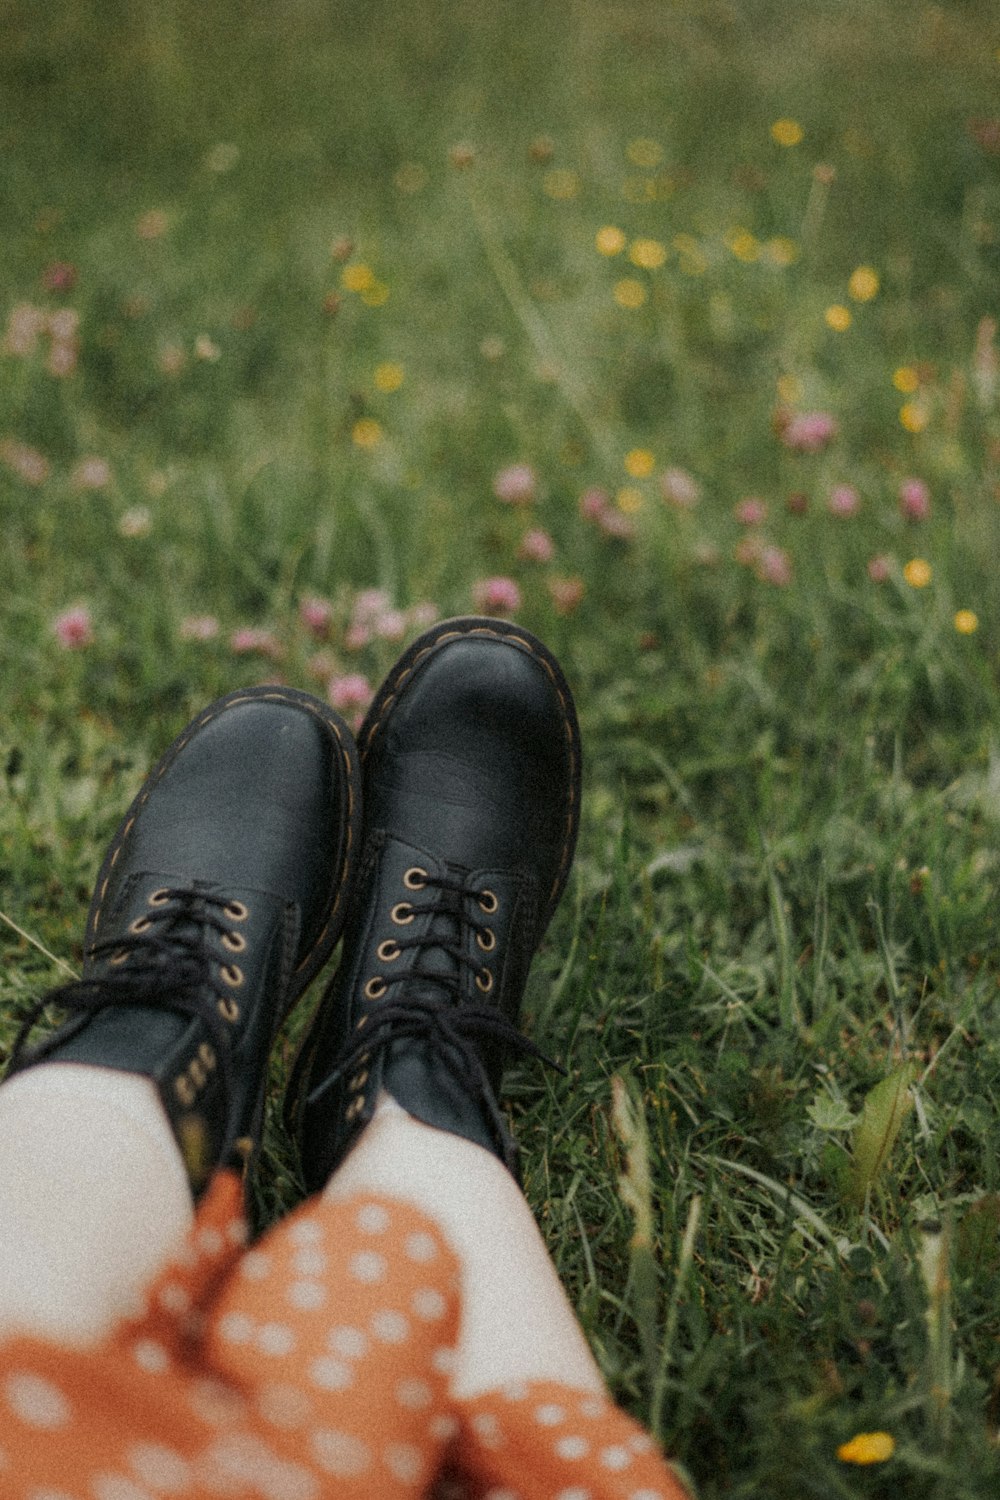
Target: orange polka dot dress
312, 1366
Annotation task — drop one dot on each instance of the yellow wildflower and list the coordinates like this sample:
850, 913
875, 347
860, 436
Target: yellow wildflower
781, 251
629, 499
864, 283
649, 254
867, 1448
629, 293
789, 389
906, 380
357, 277
838, 317
609, 240
966, 622
744, 245
914, 416
787, 132
562, 184
388, 377
366, 432
644, 153
640, 463
918, 573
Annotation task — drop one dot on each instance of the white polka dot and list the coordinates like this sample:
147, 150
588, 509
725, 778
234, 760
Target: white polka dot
372, 1218
237, 1231
421, 1248
173, 1298
443, 1361
572, 1447
487, 1429
404, 1462
574, 1494
309, 1262
390, 1327
501, 1495
593, 1407
516, 1391
428, 1304
287, 1481
159, 1467
151, 1356
36, 1402
368, 1266
116, 1487
647, 1495
341, 1453
284, 1406
350, 1343
641, 1442
330, 1374
236, 1328
209, 1241
214, 1402
444, 1428
414, 1394
47, 1494
549, 1415
615, 1458
276, 1339
255, 1265
307, 1296
305, 1232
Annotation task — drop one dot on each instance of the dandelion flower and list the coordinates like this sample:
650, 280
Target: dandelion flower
966, 622
644, 153
639, 463
838, 317
561, 184
357, 277
609, 240
781, 251
648, 254
786, 132
366, 433
628, 500
867, 1448
914, 416
864, 284
517, 484
496, 596
376, 295
73, 628
906, 380
744, 245
629, 293
388, 377
914, 500
918, 573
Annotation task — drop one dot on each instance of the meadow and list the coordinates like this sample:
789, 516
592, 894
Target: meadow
671, 331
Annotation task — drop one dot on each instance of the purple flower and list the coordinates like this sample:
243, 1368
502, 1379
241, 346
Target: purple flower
914, 500
593, 503
566, 594
73, 628
352, 691
316, 615
198, 628
774, 566
879, 568
807, 431
517, 484
844, 500
250, 638
536, 546
751, 511
496, 596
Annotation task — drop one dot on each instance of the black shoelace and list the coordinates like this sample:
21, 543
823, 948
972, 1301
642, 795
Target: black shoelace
166, 964
430, 1004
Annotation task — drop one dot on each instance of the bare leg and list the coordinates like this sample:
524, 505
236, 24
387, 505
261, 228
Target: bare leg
93, 1199
517, 1323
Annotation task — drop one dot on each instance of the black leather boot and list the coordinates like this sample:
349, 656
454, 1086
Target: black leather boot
222, 894
471, 762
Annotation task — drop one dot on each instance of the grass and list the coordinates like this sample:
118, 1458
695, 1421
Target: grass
334, 271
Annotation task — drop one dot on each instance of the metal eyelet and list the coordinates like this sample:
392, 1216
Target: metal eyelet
159, 897
363, 1021
228, 1009
358, 1081
232, 975
140, 924
121, 957
488, 902
484, 981
207, 1055
184, 1089
486, 939
197, 1074
415, 878
375, 988
234, 942
355, 1107
388, 951
236, 911
402, 914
